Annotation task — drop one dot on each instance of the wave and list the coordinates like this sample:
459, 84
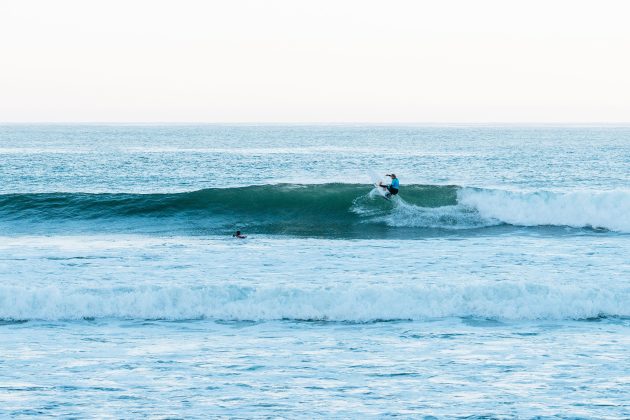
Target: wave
324, 210
493, 300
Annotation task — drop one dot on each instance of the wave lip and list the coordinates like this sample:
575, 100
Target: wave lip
495, 300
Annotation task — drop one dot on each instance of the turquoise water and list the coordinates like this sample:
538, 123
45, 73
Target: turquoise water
495, 285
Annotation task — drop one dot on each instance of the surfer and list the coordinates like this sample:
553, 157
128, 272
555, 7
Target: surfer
239, 235
393, 187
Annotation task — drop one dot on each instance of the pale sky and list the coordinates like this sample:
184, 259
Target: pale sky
315, 61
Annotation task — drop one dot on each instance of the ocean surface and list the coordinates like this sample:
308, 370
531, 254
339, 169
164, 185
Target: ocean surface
495, 285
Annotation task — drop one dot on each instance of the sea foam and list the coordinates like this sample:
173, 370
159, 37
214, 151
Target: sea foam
506, 300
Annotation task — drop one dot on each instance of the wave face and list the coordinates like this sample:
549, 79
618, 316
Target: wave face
325, 210
494, 300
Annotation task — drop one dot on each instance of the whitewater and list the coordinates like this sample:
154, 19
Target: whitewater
496, 285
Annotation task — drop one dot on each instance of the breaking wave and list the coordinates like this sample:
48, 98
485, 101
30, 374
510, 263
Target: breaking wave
606, 210
325, 210
494, 300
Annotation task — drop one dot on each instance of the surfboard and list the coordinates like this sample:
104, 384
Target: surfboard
376, 180
383, 192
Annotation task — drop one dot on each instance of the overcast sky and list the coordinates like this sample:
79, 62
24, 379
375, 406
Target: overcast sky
315, 61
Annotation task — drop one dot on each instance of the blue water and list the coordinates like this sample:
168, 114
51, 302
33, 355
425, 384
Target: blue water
497, 284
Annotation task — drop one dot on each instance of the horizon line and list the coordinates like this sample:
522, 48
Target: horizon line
419, 123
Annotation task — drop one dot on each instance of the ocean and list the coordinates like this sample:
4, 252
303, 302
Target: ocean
495, 285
